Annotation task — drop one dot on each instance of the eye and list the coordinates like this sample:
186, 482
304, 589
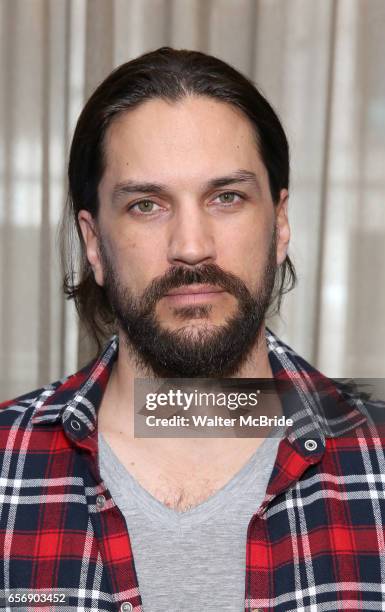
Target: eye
144, 207
228, 198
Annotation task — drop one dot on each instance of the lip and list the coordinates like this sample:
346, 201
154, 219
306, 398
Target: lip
192, 295
198, 289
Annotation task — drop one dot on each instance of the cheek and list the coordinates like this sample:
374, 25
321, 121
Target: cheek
136, 262
244, 250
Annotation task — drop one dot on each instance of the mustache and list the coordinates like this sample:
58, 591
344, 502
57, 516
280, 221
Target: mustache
179, 276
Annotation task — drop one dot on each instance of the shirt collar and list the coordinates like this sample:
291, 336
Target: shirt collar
320, 407
77, 398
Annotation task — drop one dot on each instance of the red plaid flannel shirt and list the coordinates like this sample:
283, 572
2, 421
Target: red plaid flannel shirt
316, 543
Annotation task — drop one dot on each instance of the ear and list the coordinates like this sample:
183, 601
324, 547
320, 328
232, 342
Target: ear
89, 230
282, 226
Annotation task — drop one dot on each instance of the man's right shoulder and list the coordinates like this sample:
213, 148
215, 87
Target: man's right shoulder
55, 393
28, 402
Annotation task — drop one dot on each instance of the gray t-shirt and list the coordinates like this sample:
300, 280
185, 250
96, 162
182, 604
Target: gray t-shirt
193, 560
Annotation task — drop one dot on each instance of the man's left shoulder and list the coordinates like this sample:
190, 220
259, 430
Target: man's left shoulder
361, 449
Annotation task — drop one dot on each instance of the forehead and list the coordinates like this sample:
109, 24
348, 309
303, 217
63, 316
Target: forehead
192, 138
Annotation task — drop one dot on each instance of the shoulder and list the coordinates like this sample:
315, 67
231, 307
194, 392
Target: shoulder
370, 407
44, 399
46, 404
31, 399
357, 455
11, 409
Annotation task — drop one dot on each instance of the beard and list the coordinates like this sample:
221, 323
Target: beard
207, 351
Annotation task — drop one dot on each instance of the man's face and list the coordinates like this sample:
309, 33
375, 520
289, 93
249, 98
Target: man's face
187, 238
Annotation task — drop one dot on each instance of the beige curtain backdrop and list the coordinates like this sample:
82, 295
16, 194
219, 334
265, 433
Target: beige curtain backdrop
320, 63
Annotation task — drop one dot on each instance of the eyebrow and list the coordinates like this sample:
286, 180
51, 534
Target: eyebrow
130, 187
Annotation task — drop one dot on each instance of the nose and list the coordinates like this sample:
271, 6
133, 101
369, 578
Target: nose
191, 239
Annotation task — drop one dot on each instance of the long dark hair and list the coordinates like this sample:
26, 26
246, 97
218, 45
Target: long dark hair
169, 74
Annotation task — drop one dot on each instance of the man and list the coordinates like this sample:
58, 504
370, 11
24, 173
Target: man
179, 181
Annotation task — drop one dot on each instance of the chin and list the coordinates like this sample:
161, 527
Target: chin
193, 328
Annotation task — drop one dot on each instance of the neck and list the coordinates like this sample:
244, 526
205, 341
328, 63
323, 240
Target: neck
118, 399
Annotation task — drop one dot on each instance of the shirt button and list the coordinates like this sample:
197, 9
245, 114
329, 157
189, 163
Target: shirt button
100, 501
126, 607
75, 425
311, 445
